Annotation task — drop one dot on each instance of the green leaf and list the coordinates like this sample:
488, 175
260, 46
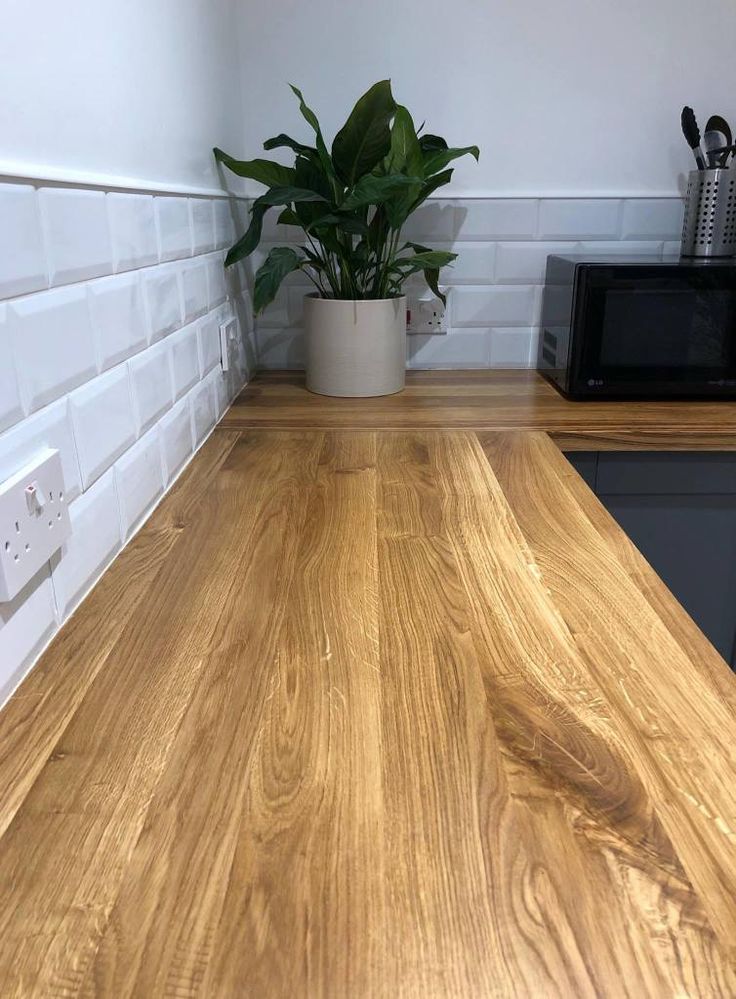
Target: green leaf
365, 138
282, 141
311, 175
247, 243
432, 277
372, 190
311, 117
405, 155
431, 143
289, 217
421, 261
281, 260
429, 262
288, 195
264, 171
430, 186
440, 158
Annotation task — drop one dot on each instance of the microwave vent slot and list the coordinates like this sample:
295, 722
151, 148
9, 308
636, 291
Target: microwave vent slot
549, 356
550, 340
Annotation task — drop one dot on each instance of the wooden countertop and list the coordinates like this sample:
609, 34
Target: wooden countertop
488, 400
361, 714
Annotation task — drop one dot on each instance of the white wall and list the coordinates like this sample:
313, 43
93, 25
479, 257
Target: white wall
138, 90
563, 97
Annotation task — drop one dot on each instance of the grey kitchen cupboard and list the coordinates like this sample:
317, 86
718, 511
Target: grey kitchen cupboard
679, 509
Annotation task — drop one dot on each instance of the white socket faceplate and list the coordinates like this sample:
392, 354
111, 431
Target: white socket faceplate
34, 520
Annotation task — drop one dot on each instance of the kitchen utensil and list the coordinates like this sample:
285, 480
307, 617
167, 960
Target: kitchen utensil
692, 135
717, 133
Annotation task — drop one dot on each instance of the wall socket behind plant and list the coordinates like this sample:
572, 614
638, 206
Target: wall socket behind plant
426, 314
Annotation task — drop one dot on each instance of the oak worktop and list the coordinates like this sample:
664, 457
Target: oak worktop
394, 712
488, 400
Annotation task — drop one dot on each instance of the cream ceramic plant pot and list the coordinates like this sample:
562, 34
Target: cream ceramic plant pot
355, 348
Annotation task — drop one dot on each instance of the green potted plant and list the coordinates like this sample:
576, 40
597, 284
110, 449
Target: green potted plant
351, 203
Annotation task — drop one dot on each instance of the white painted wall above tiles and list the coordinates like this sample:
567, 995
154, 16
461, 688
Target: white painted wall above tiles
564, 98
120, 94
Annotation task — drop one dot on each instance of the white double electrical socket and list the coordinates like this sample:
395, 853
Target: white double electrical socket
34, 520
427, 314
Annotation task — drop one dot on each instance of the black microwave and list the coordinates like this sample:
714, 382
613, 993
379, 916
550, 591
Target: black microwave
644, 327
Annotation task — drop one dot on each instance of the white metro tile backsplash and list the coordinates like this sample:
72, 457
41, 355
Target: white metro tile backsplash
162, 294
118, 321
184, 360
23, 265
151, 385
133, 231
496, 282
194, 289
102, 418
139, 481
173, 227
77, 233
94, 541
53, 343
176, 438
10, 407
87, 368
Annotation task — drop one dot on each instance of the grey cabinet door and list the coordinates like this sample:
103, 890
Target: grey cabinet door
690, 541
679, 509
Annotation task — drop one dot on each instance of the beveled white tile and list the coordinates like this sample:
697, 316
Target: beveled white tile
224, 227
27, 623
172, 226
280, 348
511, 347
133, 230
458, 349
579, 218
497, 218
202, 219
151, 384
216, 286
139, 481
116, 307
22, 260
203, 411
502, 305
474, 264
652, 218
94, 542
11, 410
193, 275
526, 263
162, 294
184, 359
77, 234
102, 417
53, 344
51, 428
176, 438
208, 334
433, 220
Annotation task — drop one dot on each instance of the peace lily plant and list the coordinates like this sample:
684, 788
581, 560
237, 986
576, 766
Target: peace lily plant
350, 202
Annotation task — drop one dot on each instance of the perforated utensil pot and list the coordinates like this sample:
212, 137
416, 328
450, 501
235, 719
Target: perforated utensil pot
709, 226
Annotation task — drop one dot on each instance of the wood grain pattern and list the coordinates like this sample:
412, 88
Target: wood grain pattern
489, 400
389, 714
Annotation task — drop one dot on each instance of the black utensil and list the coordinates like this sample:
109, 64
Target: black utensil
692, 135
717, 133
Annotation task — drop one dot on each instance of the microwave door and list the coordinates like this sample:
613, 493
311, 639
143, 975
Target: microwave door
661, 331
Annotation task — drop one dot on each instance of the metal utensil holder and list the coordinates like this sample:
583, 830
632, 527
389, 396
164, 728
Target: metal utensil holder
709, 226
